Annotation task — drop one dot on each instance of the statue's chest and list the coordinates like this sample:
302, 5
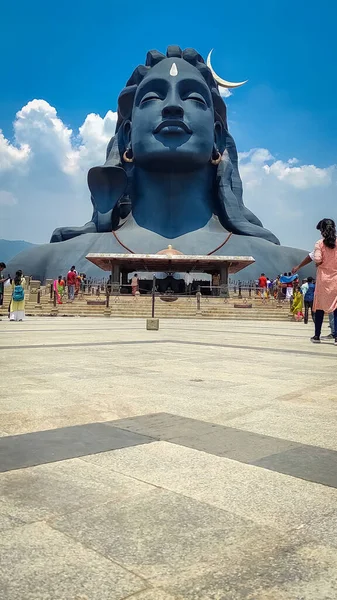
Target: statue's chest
143, 241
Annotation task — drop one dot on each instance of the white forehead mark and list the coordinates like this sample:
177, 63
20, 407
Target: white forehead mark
174, 70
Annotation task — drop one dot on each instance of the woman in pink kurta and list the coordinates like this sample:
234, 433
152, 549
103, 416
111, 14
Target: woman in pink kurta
325, 257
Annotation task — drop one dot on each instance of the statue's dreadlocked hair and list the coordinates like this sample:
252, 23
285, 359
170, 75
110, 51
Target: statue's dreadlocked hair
127, 95
126, 98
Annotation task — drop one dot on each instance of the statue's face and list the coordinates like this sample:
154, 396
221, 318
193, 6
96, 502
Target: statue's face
172, 118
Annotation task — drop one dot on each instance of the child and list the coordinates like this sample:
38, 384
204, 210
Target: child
297, 304
309, 300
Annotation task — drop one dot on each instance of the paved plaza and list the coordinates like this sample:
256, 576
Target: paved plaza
197, 462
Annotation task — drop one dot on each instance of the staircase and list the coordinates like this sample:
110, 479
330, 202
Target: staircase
140, 307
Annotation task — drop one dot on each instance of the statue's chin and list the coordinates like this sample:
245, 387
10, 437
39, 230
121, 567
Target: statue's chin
172, 161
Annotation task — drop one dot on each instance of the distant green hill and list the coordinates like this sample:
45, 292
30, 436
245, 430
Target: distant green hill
10, 248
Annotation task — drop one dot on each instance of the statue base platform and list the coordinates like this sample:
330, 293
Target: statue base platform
50, 260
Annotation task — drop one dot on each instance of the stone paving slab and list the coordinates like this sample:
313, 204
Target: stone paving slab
163, 536
303, 461
321, 529
286, 573
154, 594
216, 439
267, 497
299, 460
45, 491
236, 530
7, 521
299, 415
164, 426
239, 388
306, 462
243, 446
58, 444
39, 563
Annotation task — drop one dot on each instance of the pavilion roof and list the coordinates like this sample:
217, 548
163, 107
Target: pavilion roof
169, 262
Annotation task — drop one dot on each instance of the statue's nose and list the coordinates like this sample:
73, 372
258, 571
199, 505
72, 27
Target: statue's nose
173, 111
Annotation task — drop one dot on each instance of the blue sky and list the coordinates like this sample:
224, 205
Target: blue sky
77, 56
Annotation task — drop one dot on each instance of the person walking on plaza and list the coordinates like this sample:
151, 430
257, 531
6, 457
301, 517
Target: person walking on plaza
188, 282
325, 257
134, 284
263, 282
78, 282
71, 282
2, 284
297, 304
269, 287
284, 285
216, 284
59, 286
333, 334
17, 306
277, 289
308, 295
304, 287
289, 290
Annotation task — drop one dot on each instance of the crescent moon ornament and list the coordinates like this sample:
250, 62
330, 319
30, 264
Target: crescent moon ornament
219, 80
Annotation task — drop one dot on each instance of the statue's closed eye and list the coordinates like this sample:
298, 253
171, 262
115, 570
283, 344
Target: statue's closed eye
148, 97
196, 97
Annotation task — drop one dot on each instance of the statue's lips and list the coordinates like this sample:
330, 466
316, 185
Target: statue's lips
172, 126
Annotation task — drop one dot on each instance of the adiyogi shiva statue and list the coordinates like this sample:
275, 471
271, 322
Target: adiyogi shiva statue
171, 177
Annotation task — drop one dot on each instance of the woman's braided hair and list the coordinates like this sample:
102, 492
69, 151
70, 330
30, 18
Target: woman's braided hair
327, 228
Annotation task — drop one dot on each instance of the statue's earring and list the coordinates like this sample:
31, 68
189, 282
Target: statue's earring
216, 157
128, 155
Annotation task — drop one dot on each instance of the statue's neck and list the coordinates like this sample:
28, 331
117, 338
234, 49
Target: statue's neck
172, 204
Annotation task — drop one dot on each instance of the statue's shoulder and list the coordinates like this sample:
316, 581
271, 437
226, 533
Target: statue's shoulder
270, 258
50, 260
74, 252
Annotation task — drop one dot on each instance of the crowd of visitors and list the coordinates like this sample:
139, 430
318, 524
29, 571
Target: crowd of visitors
320, 296
74, 282
315, 297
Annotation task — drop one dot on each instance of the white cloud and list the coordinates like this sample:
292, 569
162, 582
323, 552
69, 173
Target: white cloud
43, 179
225, 92
11, 156
290, 199
45, 170
95, 134
7, 198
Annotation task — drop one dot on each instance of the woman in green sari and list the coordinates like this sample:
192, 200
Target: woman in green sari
59, 287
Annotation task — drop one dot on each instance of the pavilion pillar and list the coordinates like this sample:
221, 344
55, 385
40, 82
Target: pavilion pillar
115, 279
224, 293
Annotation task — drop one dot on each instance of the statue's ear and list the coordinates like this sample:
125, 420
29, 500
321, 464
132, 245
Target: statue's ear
125, 101
219, 136
107, 185
126, 134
